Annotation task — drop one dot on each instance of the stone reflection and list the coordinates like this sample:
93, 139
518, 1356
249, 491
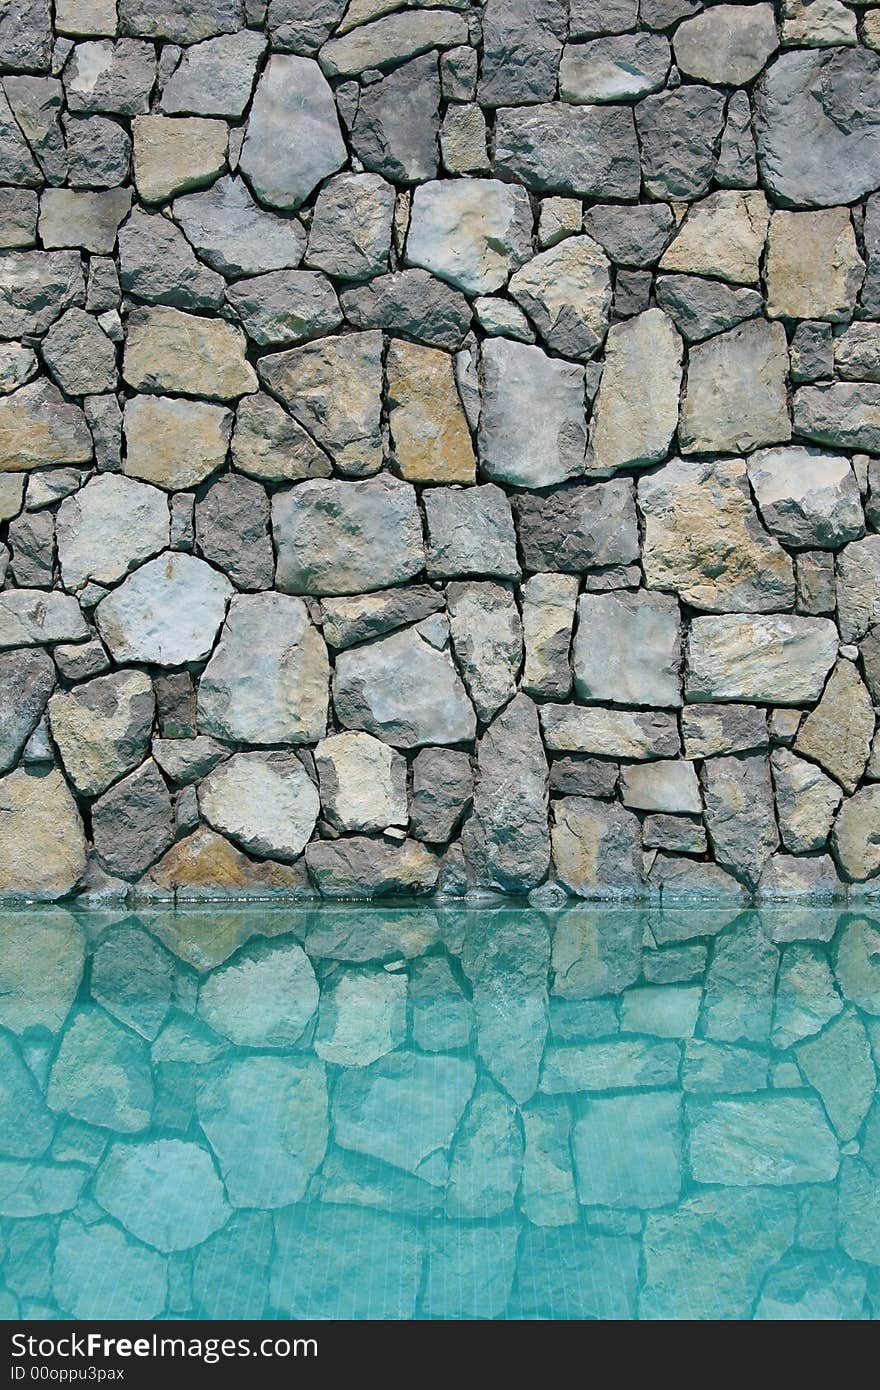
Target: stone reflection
452, 1112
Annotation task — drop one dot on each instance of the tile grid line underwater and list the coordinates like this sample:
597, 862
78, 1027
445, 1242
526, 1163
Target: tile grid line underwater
448, 1112
438, 449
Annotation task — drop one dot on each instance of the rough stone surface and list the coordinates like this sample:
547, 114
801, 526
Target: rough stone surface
267, 679
637, 404
703, 539
369, 370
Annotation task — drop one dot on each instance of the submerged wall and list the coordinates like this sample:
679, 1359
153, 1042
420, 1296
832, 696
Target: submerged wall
437, 447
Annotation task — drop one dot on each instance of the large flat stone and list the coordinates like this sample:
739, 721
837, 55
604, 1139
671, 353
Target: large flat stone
774, 659
267, 681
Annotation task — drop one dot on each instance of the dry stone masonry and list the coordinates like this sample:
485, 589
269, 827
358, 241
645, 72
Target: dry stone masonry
439, 449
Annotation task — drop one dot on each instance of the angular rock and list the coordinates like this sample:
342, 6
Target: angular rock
442, 789
386, 42
597, 849
855, 838
362, 782
701, 308
91, 220
266, 1120
806, 497
814, 270
277, 977
487, 1158
292, 111
264, 802
98, 152
548, 611
845, 414
631, 234
114, 77
36, 287
722, 236
175, 443
108, 528
736, 391
837, 734
678, 134
614, 69
269, 444
838, 1065
505, 840
132, 977
566, 291
578, 527
627, 649
27, 679
858, 588
350, 232
215, 77
167, 350
362, 1017
397, 122
712, 729
470, 232
486, 635
233, 234
232, 531
404, 690
432, 443
168, 612
703, 538
819, 151
469, 531
173, 154
158, 264
661, 786
584, 151
532, 427
727, 44
79, 355
609, 733
204, 865
771, 1140
333, 388
132, 822
356, 867
347, 621
739, 813
38, 427
857, 353
32, 617
411, 303
101, 1074
285, 306
165, 1192
809, 1289
42, 844
521, 48
332, 537
636, 410
102, 728
806, 802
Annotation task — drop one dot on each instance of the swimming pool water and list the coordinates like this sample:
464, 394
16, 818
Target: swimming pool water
410, 1112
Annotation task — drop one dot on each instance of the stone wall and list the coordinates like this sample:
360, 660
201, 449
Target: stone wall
438, 448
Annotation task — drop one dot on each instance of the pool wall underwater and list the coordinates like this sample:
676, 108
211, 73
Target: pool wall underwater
439, 1112
438, 449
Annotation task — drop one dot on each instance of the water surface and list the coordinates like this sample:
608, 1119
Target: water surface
410, 1112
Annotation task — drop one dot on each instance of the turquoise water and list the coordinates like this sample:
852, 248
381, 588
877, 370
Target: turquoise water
363, 1112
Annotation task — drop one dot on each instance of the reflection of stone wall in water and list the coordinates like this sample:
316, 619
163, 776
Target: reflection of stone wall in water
437, 448
442, 1113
